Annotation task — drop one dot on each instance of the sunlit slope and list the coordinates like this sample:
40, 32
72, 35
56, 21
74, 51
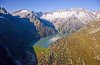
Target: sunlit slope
40, 51
81, 48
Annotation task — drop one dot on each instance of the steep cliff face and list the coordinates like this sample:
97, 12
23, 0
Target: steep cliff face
17, 35
81, 48
44, 27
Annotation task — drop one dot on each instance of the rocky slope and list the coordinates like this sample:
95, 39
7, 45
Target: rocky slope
70, 20
81, 48
44, 27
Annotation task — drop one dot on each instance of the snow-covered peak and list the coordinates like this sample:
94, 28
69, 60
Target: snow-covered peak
77, 12
71, 16
78, 9
67, 13
3, 10
24, 11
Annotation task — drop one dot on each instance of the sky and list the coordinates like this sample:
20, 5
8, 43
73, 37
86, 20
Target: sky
49, 5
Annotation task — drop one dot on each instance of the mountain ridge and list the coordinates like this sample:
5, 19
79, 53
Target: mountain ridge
44, 27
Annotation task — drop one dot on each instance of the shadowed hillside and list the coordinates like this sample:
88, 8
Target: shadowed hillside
16, 37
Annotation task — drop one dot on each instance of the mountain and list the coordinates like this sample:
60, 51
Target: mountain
2, 10
20, 30
80, 48
70, 20
17, 36
44, 27
66, 22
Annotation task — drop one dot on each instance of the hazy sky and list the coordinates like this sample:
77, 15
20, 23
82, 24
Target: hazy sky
49, 5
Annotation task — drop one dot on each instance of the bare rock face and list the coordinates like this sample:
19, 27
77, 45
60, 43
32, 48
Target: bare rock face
44, 27
17, 35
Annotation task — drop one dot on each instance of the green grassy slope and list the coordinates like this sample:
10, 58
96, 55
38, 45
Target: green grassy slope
40, 51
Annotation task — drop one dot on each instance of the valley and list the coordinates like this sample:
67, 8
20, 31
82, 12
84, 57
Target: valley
80, 48
61, 37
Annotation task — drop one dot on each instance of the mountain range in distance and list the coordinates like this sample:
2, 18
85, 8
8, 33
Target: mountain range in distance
65, 21
61, 21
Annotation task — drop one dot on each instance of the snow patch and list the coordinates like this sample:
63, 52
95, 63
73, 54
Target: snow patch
24, 11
